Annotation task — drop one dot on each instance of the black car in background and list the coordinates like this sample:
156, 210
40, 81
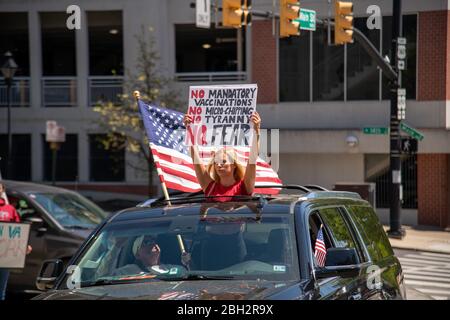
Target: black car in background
258, 247
60, 222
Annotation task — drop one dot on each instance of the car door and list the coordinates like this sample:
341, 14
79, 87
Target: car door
25, 277
386, 282
336, 234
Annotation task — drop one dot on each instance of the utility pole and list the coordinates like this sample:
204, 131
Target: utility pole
395, 230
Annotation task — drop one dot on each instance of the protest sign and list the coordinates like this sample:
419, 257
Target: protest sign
221, 115
13, 244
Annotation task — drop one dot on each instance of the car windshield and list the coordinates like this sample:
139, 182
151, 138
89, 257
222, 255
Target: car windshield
191, 248
70, 210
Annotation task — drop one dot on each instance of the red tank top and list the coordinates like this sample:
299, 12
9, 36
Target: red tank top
216, 189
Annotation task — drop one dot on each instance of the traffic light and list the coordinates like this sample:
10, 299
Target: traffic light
343, 22
289, 10
236, 13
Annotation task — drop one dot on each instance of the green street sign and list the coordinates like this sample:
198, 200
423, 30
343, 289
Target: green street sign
307, 20
411, 131
375, 130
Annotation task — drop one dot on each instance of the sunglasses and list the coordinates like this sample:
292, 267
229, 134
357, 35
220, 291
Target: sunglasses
148, 242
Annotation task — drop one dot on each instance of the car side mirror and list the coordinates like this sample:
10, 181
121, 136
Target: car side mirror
33, 219
50, 271
342, 262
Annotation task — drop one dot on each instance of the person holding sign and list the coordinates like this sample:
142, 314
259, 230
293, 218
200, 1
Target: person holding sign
224, 175
7, 214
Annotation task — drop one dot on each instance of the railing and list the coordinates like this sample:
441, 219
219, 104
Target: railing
59, 91
211, 76
105, 89
20, 92
409, 183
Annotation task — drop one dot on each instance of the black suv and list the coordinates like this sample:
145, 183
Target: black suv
258, 247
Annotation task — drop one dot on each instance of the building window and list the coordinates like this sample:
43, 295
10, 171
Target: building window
363, 75
59, 83
340, 73
58, 45
328, 69
294, 68
21, 157
209, 50
105, 165
66, 159
377, 170
105, 43
14, 38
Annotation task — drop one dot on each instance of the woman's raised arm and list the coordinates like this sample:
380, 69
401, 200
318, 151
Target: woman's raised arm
250, 170
203, 176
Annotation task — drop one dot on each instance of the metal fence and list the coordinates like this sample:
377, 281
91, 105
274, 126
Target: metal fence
409, 184
211, 76
59, 91
105, 89
20, 92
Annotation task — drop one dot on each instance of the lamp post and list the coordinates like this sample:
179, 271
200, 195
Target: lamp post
9, 68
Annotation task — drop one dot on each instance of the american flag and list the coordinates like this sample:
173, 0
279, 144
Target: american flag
320, 250
165, 131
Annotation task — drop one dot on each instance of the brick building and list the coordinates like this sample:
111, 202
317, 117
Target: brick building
316, 95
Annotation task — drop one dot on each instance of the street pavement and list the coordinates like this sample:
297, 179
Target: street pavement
427, 274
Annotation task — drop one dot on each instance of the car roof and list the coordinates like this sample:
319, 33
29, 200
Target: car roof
30, 187
273, 204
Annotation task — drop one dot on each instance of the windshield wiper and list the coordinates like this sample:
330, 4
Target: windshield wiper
106, 282
194, 277
78, 227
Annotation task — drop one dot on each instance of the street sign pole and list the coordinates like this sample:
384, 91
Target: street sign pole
395, 230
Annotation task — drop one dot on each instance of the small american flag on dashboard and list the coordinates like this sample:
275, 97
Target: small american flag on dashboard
320, 251
166, 133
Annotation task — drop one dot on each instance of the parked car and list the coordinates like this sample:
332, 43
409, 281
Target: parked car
60, 221
252, 247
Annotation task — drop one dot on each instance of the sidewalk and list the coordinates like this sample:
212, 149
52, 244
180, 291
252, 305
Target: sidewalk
423, 238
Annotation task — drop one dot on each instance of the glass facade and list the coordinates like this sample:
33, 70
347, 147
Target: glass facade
208, 50
294, 68
105, 165
105, 43
363, 76
14, 38
331, 65
21, 157
58, 45
66, 159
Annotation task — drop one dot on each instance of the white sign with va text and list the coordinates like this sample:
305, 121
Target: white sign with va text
221, 115
13, 244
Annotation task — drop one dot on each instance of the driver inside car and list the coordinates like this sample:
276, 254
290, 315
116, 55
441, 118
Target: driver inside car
147, 253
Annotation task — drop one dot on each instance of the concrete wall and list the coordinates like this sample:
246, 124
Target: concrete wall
321, 169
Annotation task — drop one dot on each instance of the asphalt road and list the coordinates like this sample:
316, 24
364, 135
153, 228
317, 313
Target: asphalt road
427, 275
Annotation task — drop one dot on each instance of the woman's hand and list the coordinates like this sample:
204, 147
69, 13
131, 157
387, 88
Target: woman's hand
29, 249
187, 120
256, 120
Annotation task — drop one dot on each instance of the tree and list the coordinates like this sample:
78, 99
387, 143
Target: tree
121, 120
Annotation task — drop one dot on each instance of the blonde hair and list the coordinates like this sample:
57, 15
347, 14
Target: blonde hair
231, 156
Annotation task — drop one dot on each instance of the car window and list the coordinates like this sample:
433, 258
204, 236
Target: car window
371, 231
339, 232
70, 209
235, 247
22, 205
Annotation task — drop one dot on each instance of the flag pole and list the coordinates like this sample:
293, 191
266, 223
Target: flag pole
137, 96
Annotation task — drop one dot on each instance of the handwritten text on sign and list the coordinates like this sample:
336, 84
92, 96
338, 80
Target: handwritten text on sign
13, 244
222, 114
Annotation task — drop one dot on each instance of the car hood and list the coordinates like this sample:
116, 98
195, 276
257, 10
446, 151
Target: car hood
176, 290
